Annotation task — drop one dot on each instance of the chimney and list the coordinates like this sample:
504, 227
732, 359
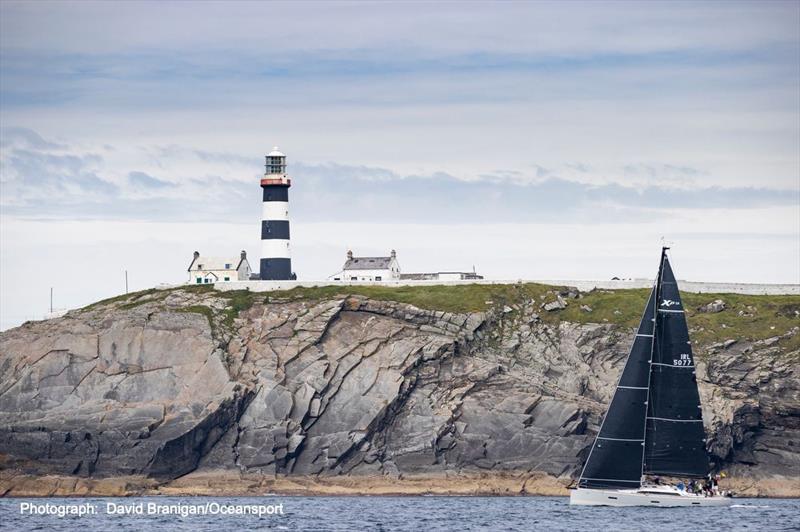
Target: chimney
393, 254
243, 254
349, 254
196, 255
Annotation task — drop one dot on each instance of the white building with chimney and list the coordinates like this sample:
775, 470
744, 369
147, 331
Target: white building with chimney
369, 268
210, 270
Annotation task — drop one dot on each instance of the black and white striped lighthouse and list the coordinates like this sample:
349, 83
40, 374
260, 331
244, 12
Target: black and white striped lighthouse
276, 262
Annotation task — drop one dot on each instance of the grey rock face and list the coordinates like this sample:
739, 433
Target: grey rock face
349, 386
751, 397
128, 393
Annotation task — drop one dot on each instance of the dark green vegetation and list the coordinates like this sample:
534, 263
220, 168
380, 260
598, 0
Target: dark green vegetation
745, 317
750, 317
134, 299
753, 317
463, 298
131, 300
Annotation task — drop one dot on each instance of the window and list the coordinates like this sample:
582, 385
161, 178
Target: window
354, 278
227, 267
199, 266
199, 280
208, 281
226, 278
377, 277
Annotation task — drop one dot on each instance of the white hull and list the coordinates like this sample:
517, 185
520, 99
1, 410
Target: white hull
665, 497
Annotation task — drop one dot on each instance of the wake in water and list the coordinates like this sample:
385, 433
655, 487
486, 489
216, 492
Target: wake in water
749, 506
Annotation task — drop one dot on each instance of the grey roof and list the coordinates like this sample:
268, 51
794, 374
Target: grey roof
216, 263
368, 263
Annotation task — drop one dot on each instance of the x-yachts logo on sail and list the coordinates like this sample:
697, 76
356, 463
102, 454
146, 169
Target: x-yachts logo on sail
668, 303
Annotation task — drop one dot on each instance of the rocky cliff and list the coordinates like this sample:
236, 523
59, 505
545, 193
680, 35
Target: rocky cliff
349, 388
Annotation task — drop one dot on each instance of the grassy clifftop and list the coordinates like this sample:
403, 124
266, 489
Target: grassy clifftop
751, 317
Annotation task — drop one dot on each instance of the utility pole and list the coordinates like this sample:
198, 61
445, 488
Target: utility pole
126, 281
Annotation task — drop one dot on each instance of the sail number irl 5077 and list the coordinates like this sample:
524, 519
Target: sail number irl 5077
684, 360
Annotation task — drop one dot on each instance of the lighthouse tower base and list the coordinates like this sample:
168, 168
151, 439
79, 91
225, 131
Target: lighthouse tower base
276, 269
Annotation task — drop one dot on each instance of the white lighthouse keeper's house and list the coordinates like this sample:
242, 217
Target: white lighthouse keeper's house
210, 270
369, 268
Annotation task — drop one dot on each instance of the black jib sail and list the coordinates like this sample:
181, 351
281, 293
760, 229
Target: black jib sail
654, 423
675, 438
615, 460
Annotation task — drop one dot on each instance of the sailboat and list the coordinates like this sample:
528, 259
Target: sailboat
654, 425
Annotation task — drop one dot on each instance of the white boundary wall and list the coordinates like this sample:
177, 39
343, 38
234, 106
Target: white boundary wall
584, 286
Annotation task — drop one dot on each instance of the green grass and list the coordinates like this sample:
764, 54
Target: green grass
762, 316
130, 299
238, 301
621, 307
461, 298
196, 288
133, 299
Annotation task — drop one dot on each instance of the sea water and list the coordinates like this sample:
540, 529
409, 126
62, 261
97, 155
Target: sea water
418, 514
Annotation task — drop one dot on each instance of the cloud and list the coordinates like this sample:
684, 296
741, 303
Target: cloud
35, 177
563, 30
695, 85
49, 182
144, 180
24, 137
136, 79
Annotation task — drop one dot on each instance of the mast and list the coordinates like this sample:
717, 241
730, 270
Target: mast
657, 292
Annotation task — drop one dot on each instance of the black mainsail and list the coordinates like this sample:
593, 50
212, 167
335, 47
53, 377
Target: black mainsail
654, 423
675, 438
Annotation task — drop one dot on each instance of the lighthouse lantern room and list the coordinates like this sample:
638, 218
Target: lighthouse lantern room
276, 262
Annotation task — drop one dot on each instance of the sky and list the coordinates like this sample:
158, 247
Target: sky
530, 140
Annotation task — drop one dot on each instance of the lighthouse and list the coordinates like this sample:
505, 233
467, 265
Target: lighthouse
276, 262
